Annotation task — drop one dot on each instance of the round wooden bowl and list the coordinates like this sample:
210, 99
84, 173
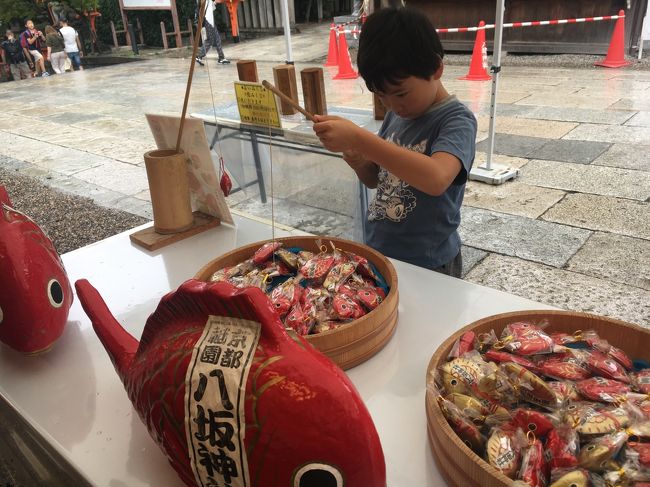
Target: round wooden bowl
459, 465
355, 342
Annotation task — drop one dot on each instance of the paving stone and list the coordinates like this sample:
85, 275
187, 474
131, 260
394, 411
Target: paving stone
564, 289
641, 119
576, 151
521, 237
512, 197
513, 145
71, 117
639, 103
607, 214
614, 117
120, 177
471, 258
68, 161
337, 196
528, 127
608, 181
509, 161
626, 156
631, 255
572, 100
135, 206
610, 133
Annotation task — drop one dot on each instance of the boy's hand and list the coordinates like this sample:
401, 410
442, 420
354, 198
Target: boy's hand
335, 133
354, 159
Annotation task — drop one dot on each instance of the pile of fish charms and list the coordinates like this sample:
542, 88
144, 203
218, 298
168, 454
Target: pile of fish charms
312, 293
549, 409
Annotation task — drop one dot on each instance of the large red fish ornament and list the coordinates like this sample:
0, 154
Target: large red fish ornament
35, 294
233, 400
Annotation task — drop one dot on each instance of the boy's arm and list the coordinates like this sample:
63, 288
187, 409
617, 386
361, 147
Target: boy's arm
338, 135
78, 43
367, 171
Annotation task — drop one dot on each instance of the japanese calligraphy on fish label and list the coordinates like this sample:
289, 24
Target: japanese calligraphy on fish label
215, 385
256, 104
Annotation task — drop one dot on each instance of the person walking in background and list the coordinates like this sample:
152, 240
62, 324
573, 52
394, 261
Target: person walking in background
13, 55
32, 41
213, 36
55, 49
72, 44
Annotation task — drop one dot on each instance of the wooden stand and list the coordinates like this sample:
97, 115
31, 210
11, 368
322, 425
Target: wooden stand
378, 108
313, 90
247, 70
152, 240
285, 80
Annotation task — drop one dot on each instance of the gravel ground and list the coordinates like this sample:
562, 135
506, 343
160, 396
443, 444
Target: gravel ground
70, 221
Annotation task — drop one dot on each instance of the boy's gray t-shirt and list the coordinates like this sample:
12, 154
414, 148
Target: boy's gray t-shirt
405, 223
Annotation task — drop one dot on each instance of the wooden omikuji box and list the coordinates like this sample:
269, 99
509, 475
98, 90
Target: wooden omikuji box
355, 342
459, 465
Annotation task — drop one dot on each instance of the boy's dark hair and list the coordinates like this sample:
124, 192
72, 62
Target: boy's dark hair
395, 44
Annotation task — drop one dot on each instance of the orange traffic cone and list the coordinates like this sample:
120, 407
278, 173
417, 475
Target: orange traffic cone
333, 50
478, 64
616, 53
345, 63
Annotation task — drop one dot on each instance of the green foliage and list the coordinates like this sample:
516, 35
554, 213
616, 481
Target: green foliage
13, 13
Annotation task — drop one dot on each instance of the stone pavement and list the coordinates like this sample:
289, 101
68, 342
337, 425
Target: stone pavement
573, 231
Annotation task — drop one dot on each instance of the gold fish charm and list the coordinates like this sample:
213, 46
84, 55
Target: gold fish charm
590, 421
460, 375
597, 454
531, 388
502, 454
477, 409
577, 478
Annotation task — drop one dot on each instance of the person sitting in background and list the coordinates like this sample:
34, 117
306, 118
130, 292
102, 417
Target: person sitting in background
12, 55
31, 40
55, 49
72, 44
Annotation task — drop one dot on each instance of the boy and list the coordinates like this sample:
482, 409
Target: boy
12, 54
421, 158
72, 44
31, 40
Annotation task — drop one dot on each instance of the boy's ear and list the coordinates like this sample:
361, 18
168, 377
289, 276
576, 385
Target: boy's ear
438, 74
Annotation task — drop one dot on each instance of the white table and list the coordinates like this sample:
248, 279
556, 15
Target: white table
74, 398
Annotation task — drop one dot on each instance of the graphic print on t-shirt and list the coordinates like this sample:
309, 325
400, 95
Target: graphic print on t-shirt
394, 200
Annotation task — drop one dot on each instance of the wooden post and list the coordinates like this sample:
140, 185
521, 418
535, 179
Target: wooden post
285, 80
313, 90
247, 70
114, 34
190, 29
378, 107
137, 22
177, 25
163, 31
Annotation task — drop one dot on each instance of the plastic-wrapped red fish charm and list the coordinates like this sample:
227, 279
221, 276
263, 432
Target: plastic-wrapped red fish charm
603, 390
561, 448
463, 345
297, 320
607, 367
338, 275
533, 421
533, 467
285, 296
231, 397
35, 294
641, 380
500, 356
265, 252
565, 367
317, 267
565, 391
369, 297
346, 308
526, 339
462, 426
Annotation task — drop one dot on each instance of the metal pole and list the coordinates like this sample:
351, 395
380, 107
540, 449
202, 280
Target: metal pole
287, 31
495, 70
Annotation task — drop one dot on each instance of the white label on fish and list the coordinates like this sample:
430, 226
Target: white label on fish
215, 387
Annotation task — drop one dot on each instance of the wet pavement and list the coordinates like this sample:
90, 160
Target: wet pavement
572, 231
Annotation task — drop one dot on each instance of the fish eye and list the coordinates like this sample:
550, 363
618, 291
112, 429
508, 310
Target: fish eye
55, 293
318, 475
453, 382
532, 426
591, 447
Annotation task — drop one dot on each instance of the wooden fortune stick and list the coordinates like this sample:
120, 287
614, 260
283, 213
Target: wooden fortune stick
288, 100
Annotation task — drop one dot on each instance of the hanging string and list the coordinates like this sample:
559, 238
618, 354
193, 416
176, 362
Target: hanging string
270, 96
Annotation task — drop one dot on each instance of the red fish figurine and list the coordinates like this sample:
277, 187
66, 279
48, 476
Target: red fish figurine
232, 399
36, 294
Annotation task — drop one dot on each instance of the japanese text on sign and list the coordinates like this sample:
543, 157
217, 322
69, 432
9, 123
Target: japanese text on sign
257, 105
214, 401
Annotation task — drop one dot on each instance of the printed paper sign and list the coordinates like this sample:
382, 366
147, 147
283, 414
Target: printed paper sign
153, 4
215, 387
257, 105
